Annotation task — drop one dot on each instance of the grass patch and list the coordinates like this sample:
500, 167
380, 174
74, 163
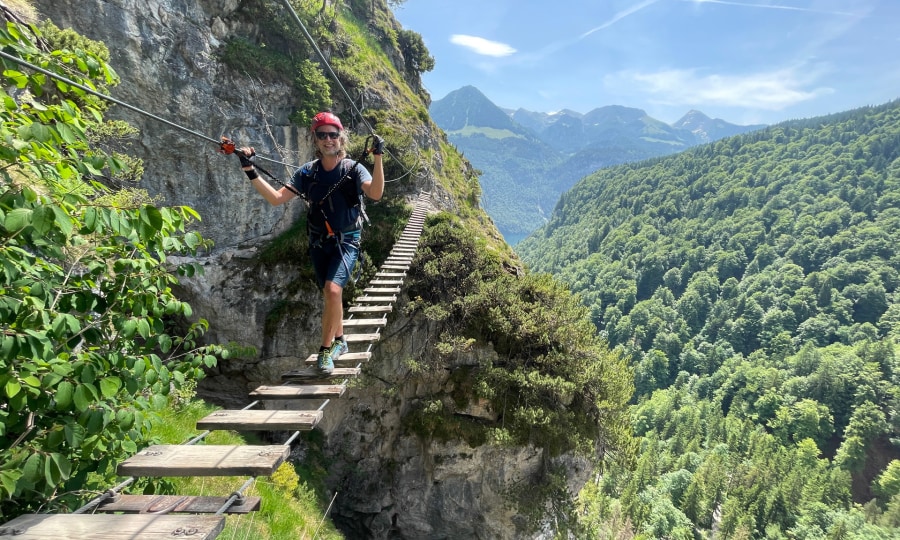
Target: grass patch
291, 509
489, 132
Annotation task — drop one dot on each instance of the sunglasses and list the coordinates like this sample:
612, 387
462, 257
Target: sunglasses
322, 135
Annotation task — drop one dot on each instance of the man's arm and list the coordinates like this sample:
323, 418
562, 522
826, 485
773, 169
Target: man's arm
374, 188
273, 196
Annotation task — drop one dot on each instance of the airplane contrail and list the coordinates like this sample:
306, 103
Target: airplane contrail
618, 17
772, 6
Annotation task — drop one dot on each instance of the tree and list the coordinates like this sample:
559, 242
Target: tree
415, 53
887, 485
801, 420
866, 423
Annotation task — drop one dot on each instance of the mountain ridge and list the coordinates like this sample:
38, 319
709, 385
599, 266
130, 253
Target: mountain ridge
519, 191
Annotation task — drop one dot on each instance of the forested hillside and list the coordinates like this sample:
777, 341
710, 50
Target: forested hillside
753, 283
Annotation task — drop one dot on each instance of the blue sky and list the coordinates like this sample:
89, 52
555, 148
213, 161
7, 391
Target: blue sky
744, 61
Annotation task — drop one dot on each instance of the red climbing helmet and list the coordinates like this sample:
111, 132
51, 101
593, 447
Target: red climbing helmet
326, 119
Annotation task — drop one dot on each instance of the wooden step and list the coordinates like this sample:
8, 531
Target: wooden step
300, 375
352, 358
395, 266
112, 526
176, 504
386, 282
357, 323
370, 309
375, 299
261, 420
204, 460
390, 274
382, 290
361, 338
299, 392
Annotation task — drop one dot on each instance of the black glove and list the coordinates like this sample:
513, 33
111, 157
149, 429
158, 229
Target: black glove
378, 149
244, 156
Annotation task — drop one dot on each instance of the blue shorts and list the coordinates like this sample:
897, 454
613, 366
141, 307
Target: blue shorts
333, 260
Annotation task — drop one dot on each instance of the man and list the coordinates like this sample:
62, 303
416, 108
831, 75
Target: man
333, 186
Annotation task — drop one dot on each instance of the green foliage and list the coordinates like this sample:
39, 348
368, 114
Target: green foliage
553, 384
314, 93
116, 137
888, 483
753, 283
415, 53
91, 338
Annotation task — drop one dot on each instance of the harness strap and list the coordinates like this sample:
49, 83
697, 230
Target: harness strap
336, 185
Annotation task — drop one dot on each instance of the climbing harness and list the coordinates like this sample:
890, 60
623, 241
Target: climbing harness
339, 236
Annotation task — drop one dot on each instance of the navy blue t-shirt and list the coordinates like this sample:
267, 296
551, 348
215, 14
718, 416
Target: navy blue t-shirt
342, 208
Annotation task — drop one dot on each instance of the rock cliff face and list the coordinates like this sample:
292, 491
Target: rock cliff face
164, 52
390, 484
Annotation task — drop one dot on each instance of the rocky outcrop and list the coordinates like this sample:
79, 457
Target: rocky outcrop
165, 54
390, 482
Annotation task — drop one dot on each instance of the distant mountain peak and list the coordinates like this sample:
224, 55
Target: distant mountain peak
692, 117
467, 106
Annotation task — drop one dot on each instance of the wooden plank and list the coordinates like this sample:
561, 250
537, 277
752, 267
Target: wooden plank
348, 357
204, 460
300, 376
382, 290
395, 266
299, 392
112, 527
397, 260
386, 282
361, 338
370, 309
365, 322
375, 299
261, 420
390, 274
176, 504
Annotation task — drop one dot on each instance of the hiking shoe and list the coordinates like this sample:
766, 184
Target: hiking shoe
324, 363
338, 347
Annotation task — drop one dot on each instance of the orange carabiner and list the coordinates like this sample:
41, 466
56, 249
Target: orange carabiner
227, 146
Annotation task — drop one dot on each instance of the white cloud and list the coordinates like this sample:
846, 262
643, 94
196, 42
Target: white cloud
482, 46
773, 91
